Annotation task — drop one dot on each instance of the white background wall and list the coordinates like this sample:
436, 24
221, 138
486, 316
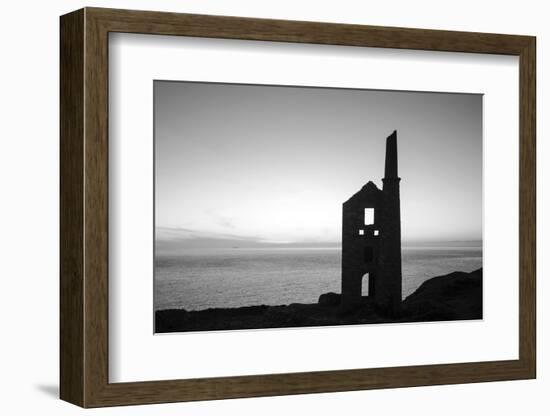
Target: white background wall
29, 212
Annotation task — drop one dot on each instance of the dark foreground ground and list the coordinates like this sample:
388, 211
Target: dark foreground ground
456, 296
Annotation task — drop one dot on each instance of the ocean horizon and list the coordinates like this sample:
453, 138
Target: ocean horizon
202, 278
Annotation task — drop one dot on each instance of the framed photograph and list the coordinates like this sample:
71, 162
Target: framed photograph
255, 207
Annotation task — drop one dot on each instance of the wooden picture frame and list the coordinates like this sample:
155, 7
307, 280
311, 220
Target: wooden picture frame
84, 207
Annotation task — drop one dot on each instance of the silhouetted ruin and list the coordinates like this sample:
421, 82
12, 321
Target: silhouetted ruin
371, 250
371, 240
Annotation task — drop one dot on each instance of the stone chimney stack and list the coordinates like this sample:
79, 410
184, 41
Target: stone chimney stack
391, 156
389, 291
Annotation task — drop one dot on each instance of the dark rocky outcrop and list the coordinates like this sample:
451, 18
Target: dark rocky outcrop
456, 296
329, 299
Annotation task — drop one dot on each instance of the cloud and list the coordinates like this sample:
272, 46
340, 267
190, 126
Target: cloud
173, 234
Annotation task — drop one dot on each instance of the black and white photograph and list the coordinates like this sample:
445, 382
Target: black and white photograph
295, 206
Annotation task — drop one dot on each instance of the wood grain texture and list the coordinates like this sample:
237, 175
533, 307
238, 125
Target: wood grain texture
84, 207
71, 208
527, 208
96, 225
162, 23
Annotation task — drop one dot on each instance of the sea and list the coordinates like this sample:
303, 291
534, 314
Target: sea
198, 279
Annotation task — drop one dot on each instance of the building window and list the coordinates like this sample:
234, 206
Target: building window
376, 232
361, 232
365, 285
369, 216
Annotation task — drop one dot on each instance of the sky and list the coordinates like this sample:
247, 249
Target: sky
273, 164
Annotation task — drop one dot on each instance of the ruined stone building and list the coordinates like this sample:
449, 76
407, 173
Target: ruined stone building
371, 240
